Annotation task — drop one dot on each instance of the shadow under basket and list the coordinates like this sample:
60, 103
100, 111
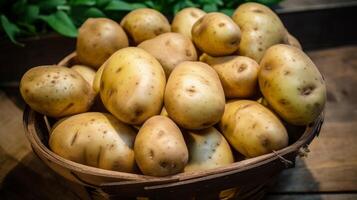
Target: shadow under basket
246, 179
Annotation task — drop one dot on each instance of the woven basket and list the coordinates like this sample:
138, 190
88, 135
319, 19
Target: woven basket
247, 179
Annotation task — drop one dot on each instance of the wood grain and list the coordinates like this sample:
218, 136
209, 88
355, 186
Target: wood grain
313, 197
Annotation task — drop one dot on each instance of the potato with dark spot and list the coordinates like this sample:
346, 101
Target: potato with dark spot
98, 38
252, 129
132, 85
160, 148
86, 72
238, 74
56, 91
95, 139
170, 49
144, 23
216, 34
208, 149
185, 19
291, 40
194, 97
292, 84
261, 28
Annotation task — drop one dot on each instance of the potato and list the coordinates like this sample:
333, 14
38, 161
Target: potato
86, 72
291, 40
170, 49
292, 84
97, 78
160, 148
98, 38
132, 85
261, 28
238, 74
208, 149
185, 19
56, 91
144, 23
216, 34
194, 96
95, 139
164, 112
252, 129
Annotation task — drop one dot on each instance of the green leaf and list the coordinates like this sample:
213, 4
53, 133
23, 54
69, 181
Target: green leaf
210, 8
93, 12
50, 4
31, 13
268, 2
102, 3
61, 23
11, 29
82, 2
123, 6
227, 11
19, 7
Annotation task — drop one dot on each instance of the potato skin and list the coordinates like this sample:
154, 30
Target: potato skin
170, 49
185, 19
216, 34
97, 78
261, 28
56, 91
144, 23
95, 139
292, 84
86, 72
194, 96
238, 74
98, 38
208, 149
252, 129
291, 40
160, 148
132, 85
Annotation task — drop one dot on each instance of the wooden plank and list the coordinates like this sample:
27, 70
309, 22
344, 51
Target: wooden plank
332, 163
313, 197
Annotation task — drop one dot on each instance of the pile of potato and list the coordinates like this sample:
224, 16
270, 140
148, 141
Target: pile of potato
160, 99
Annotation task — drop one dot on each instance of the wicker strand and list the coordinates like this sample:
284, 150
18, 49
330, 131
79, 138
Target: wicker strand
287, 162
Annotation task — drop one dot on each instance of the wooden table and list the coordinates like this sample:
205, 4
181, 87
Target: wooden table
328, 173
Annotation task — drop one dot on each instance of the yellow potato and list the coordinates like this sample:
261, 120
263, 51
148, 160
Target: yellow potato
292, 84
238, 74
160, 148
170, 49
252, 129
185, 19
216, 34
132, 85
86, 72
208, 149
291, 40
56, 91
144, 23
194, 96
98, 38
95, 139
97, 77
261, 28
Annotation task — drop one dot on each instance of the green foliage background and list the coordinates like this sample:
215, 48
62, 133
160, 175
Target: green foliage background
19, 18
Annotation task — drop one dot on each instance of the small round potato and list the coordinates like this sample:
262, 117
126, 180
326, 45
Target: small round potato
261, 28
56, 91
132, 85
160, 148
292, 84
216, 34
185, 19
170, 49
98, 38
144, 23
194, 96
208, 149
86, 72
238, 74
95, 139
252, 129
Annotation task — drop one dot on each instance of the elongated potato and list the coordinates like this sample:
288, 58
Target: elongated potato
144, 23
86, 72
95, 139
238, 74
208, 149
261, 28
252, 129
132, 85
194, 96
56, 91
160, 148
170, 49
292, 84
185, 19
